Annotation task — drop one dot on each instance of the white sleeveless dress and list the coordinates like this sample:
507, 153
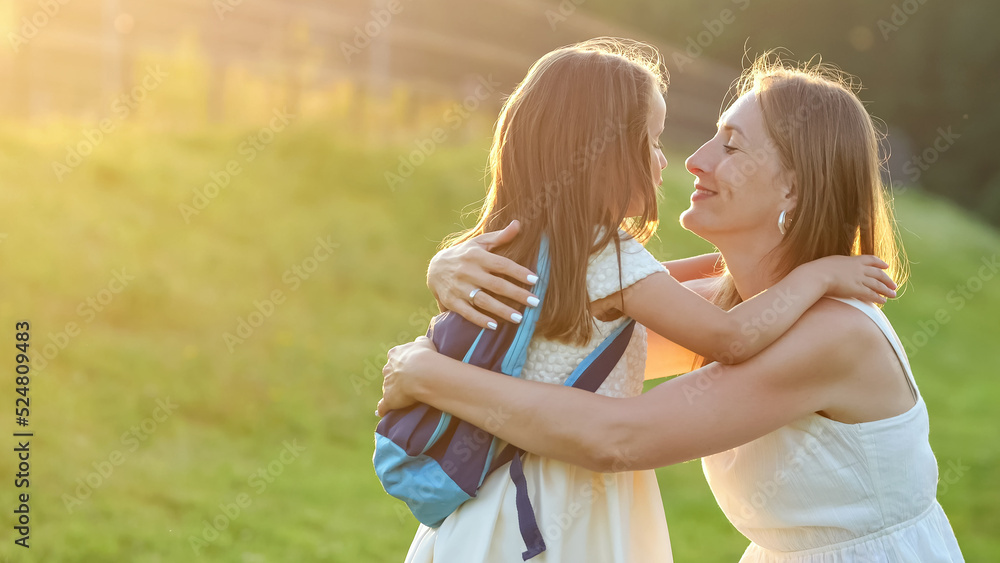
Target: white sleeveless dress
584, 517
821, 491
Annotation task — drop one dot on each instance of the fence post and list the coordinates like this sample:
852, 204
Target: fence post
112, 81
21, 78
379, 57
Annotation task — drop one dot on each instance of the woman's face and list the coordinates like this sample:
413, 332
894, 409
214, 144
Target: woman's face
741, 186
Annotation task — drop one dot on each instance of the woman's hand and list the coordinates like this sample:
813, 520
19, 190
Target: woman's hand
860, 277
403, 366
454, 273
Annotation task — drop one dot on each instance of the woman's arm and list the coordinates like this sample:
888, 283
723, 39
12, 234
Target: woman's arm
703, 412
684, 317
455, 271
695, 267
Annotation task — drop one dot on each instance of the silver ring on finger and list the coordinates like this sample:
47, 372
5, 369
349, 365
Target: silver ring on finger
472, 294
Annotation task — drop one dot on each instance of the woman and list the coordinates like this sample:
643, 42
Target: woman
816, 448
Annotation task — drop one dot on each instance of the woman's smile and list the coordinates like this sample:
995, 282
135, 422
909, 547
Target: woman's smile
701, 192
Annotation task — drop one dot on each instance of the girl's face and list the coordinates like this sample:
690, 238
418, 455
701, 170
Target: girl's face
654, 128
657, 115
741, 186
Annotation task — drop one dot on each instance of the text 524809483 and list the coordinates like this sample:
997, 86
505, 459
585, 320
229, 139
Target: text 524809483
22, 412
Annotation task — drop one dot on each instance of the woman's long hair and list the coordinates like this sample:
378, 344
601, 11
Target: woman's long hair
571, 154
825, 136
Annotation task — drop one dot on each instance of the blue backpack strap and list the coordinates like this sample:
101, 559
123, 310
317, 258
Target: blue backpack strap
599, 363
589, 375
518, 352
526, 522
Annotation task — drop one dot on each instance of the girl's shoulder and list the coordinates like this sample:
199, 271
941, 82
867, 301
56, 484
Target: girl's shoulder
613, 268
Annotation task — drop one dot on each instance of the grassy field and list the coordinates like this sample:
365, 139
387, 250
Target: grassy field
204, 383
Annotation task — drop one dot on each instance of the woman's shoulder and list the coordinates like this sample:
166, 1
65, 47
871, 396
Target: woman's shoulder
866, 370
849, 318
844, 335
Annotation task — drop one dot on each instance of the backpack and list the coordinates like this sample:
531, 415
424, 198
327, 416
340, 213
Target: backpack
433, 461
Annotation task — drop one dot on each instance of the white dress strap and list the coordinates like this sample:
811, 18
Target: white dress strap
879, 318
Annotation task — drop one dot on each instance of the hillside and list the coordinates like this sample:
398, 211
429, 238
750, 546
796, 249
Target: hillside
264, 318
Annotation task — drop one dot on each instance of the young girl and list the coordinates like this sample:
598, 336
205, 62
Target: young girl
575, 158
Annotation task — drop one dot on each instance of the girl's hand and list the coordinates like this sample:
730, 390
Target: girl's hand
454, 273
859, 277
404, 364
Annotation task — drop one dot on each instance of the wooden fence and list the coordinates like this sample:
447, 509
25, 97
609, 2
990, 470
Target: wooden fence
75, 56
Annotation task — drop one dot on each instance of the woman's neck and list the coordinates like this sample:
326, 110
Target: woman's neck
751, 268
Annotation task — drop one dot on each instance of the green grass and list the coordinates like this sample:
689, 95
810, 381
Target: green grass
310, 373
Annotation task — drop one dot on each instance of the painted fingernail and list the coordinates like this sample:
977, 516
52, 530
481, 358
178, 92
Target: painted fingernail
516, 317
492, 325
533, 301
532, 279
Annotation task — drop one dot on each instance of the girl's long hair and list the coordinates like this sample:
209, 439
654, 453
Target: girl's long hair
571, 154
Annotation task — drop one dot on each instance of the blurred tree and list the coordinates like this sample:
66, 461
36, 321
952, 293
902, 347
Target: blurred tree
931, 70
